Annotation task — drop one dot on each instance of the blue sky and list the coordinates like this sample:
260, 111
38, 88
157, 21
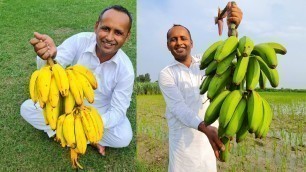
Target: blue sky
279, 21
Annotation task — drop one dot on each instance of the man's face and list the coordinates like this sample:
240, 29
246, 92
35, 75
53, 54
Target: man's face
179, 43
111, 32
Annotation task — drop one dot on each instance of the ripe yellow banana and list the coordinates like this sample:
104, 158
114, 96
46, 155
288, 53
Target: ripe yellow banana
228, 107
74, 159
61, 79
52, 115
74, 88
69, 130
100, 126
226, 48
255, 111
69, 102
43, 83
81, 141
59, 131
212, 112
88, 125
54, 93
209, 54
253, 74
237, 119
87, 74
32, 86
86, 87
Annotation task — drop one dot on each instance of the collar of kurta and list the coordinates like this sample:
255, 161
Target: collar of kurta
193, 60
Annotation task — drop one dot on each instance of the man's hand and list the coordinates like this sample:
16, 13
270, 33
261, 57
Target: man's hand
43, 46
234, 14
212, 135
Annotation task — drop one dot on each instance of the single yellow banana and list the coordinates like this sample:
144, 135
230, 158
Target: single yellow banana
81, 141
88, 126
87, 74
54, 93
69, 102
52, 115
43, 83
96, 116
74, 88
86, 87
69, 131
61, 79
59, 131
74, 159
32, 86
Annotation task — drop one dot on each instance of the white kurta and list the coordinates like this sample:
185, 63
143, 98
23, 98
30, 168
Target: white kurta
189, 149
115, 79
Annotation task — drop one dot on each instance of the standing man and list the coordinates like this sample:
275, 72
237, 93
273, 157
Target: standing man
189, 148
100, 52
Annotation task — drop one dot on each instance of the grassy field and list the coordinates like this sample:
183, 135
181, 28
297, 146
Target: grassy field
284, 149
22, 147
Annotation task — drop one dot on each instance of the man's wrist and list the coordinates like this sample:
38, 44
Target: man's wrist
202, 127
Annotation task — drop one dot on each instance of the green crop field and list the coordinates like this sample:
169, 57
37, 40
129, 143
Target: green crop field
284, 149
23, 148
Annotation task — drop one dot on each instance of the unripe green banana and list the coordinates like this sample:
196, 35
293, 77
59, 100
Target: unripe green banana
228, 107
226, 48
212, 112
218, 83
267, 119
262, 80
209, 54
237, 119
211, 68
241, 69
278, 48
245, 46
255, 111
271, 74
225, 64
224, 155
243, 131
205, 84
253, 74
267, 53
221, 131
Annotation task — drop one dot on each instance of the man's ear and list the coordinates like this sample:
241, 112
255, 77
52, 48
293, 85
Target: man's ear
191, 43
96, 25
128, 36
168, 45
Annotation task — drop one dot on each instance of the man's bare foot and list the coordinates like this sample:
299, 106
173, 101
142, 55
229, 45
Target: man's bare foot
101, 149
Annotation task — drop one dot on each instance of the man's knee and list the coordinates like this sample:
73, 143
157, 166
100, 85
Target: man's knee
126, 139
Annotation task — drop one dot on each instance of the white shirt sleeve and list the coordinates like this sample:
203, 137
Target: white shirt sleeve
120, 101
175, 101
66, 52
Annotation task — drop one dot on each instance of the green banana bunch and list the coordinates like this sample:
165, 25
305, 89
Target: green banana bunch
226, 48
237, 119
209, 54
245, 46
228, 107
205, 84
253, 74
255, 111
212, 112
267, 53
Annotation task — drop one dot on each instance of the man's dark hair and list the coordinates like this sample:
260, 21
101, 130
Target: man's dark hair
120, 9
175, 25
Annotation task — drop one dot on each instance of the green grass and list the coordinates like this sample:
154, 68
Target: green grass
23, 148
284, 149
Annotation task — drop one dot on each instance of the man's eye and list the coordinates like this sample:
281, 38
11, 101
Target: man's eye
118, 33
105, 29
